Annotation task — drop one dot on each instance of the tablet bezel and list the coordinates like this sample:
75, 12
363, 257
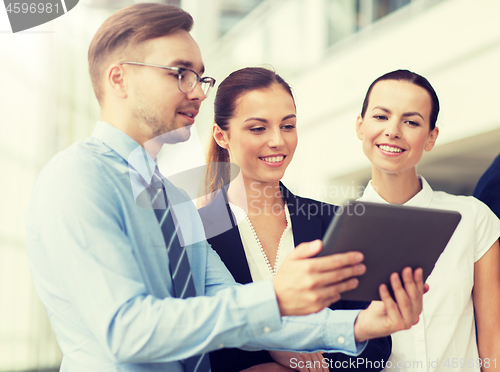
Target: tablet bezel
403, 236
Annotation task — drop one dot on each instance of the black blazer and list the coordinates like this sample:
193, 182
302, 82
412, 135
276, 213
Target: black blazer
310, 219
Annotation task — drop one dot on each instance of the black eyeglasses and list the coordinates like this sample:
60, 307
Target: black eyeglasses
187, 78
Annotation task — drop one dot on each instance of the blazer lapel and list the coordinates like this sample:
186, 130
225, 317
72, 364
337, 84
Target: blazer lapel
216, 216
305, 226
231, 251
223, 234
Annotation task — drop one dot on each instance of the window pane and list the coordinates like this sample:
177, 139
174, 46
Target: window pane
342, 19
381, 8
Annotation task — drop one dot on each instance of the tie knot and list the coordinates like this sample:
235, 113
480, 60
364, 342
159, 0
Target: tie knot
157, 191
157, 178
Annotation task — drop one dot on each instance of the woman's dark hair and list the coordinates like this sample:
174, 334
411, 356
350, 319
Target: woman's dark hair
411, 77
229, 92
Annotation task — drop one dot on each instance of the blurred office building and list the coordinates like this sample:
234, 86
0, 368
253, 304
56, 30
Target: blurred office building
328, 50
331, 50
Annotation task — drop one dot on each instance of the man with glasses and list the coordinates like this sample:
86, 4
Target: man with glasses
115, 249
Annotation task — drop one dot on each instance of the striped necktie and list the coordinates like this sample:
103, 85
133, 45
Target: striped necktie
180, 270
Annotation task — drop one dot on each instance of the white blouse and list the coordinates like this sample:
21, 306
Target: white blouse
444, 339
260, 267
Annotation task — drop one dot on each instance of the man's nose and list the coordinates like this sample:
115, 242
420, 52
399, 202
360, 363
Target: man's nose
197, 93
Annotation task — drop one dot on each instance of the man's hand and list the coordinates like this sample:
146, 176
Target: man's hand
304, 362
305, 285
384, 317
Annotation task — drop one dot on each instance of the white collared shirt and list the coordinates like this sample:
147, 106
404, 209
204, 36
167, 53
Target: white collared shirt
260, 267
446, 328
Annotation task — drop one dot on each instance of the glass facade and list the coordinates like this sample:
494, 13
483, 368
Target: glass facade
381, 8
343, 19
346, 17
233, 11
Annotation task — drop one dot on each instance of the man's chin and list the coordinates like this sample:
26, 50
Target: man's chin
176, 135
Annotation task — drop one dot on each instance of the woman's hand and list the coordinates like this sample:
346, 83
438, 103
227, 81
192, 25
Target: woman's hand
384, 317
302, 362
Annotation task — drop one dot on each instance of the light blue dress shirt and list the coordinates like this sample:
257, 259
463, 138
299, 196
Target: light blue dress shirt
100, 267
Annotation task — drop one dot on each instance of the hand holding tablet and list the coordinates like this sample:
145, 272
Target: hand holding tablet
385, 317
391, 237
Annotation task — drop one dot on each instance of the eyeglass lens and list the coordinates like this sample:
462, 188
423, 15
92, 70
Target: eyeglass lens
188, 80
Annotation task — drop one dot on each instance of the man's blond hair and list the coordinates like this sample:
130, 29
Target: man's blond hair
127, 29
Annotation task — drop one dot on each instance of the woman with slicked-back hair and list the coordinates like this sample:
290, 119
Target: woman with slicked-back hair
397, 125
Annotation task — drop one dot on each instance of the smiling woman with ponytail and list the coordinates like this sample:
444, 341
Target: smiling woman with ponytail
255, 128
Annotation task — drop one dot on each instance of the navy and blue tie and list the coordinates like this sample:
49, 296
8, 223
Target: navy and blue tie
180, 269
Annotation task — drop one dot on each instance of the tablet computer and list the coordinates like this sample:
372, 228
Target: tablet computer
391, 237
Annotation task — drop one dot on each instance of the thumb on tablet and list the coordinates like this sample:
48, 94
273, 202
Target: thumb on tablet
306, 250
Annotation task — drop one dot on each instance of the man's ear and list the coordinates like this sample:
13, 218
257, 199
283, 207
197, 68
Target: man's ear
220, 136
359, 127
115, 80
431, 140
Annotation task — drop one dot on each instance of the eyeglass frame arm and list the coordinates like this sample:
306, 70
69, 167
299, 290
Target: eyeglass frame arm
179, 70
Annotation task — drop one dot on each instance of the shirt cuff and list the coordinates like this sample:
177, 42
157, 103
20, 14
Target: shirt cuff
263, 311
339, 332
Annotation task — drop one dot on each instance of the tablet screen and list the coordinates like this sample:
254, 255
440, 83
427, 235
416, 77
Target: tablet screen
391, 237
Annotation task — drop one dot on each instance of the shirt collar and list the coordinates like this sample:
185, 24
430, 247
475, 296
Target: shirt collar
133, 153
422, 199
